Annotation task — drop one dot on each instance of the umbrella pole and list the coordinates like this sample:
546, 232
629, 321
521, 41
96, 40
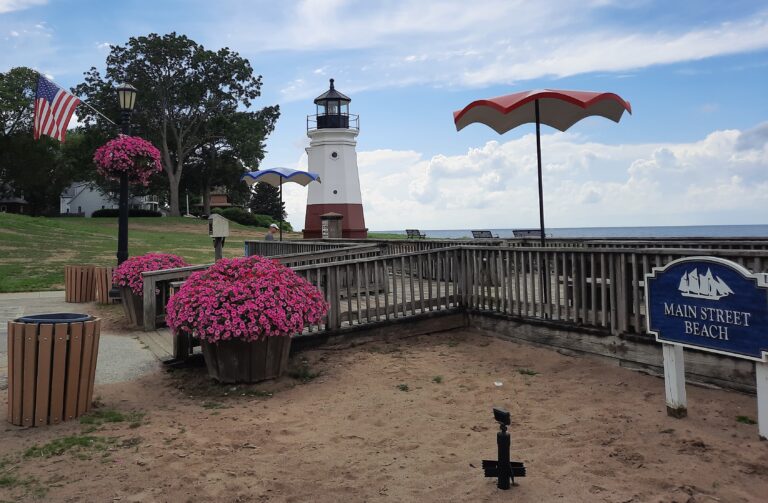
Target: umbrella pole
544, 269
541, 188
281, 208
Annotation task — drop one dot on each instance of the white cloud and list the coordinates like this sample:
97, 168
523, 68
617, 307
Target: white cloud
720, 179
488, 42
13, 5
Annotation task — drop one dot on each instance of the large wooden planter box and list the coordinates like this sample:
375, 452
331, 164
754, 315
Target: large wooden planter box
237, 361
133, 305
51, 370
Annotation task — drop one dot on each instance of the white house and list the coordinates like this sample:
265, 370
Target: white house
83, 198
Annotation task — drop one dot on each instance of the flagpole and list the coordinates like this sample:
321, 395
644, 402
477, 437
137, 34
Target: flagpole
81, 101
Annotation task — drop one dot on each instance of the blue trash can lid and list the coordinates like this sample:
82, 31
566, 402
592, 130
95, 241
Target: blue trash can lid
54, 318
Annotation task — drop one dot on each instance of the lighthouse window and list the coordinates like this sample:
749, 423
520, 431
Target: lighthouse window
333, 107
345, 108
335, 191
335, 155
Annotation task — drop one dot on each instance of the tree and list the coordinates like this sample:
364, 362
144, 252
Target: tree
28, 168
17, 100
236, 145
181, 88
265, 200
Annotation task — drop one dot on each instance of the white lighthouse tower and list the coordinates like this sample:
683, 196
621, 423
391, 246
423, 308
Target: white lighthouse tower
332, 155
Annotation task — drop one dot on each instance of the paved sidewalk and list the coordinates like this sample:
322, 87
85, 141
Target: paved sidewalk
121, 357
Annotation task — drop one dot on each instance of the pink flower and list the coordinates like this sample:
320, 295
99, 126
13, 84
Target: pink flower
131, 154
245, 298
129, 272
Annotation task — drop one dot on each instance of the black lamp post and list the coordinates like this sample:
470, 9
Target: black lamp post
127, 96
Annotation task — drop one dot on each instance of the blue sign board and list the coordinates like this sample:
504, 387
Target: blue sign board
710, 304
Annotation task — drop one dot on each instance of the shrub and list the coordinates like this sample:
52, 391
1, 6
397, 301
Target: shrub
243, 217
129, 272
133, 212
246, 298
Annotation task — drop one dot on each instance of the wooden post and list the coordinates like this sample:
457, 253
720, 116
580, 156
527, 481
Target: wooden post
761, 373
149, 303
674, 380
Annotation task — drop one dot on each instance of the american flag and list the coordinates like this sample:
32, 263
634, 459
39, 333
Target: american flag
53, 108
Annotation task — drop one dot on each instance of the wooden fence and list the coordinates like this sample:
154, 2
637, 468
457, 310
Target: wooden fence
157, 284
637, 243
602, 289
599, 288
288, 247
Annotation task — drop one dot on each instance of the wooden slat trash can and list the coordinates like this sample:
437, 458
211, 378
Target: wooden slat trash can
103, 284
51, 367
79, 283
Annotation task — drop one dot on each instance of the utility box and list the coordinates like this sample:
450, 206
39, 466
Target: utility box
330, 225
218, 226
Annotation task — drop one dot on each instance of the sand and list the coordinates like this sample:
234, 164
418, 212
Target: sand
587, 431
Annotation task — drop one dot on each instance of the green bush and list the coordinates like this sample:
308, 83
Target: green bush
133, 212
243, 217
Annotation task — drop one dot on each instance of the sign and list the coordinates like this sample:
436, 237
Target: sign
709, 304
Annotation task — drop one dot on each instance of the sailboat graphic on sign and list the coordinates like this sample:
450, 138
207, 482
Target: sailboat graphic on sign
703, 286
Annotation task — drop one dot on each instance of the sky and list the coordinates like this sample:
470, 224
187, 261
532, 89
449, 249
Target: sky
693, 152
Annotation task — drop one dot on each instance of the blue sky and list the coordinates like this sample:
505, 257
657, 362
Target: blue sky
695, 150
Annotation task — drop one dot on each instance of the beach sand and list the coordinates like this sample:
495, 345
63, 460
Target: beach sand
376, 426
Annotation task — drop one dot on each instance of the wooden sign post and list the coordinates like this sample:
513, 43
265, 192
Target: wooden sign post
713, 305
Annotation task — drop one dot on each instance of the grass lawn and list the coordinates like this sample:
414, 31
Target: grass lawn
34, 250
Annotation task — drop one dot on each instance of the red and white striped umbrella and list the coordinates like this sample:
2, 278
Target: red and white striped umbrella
558, 109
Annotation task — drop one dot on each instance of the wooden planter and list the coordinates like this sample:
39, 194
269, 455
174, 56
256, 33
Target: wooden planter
133, 305
79, 283
238, 361
51, 370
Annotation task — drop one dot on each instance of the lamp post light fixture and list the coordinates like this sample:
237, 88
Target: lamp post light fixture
126, 94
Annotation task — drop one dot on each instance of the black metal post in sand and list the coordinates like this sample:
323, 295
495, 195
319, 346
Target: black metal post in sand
503, 469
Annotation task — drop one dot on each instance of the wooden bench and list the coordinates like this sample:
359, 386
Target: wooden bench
483, 235
527, 233
414, 234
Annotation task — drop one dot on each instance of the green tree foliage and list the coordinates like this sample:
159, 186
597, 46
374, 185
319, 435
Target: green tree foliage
17, 96
28, 168
236, 140
183, 89
265, 200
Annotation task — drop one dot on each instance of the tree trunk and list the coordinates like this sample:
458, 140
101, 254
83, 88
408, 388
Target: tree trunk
173, 184
207, 197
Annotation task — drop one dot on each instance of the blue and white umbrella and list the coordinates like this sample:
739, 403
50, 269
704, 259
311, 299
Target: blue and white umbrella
276, 177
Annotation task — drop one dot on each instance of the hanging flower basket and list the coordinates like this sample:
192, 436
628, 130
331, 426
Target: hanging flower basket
128, 154
127, 276
244, 312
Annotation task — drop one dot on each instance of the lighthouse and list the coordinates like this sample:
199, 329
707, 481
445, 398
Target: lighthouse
331, 153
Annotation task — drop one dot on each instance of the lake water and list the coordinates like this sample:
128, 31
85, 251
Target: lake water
709, 231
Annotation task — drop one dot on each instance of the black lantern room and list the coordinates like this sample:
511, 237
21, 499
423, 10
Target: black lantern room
332, 109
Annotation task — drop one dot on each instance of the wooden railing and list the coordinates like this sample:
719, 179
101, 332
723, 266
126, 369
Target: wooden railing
639, 243
353, 252
385, 288
157, 284
157, 290
277, 248
597, 288
601, 289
